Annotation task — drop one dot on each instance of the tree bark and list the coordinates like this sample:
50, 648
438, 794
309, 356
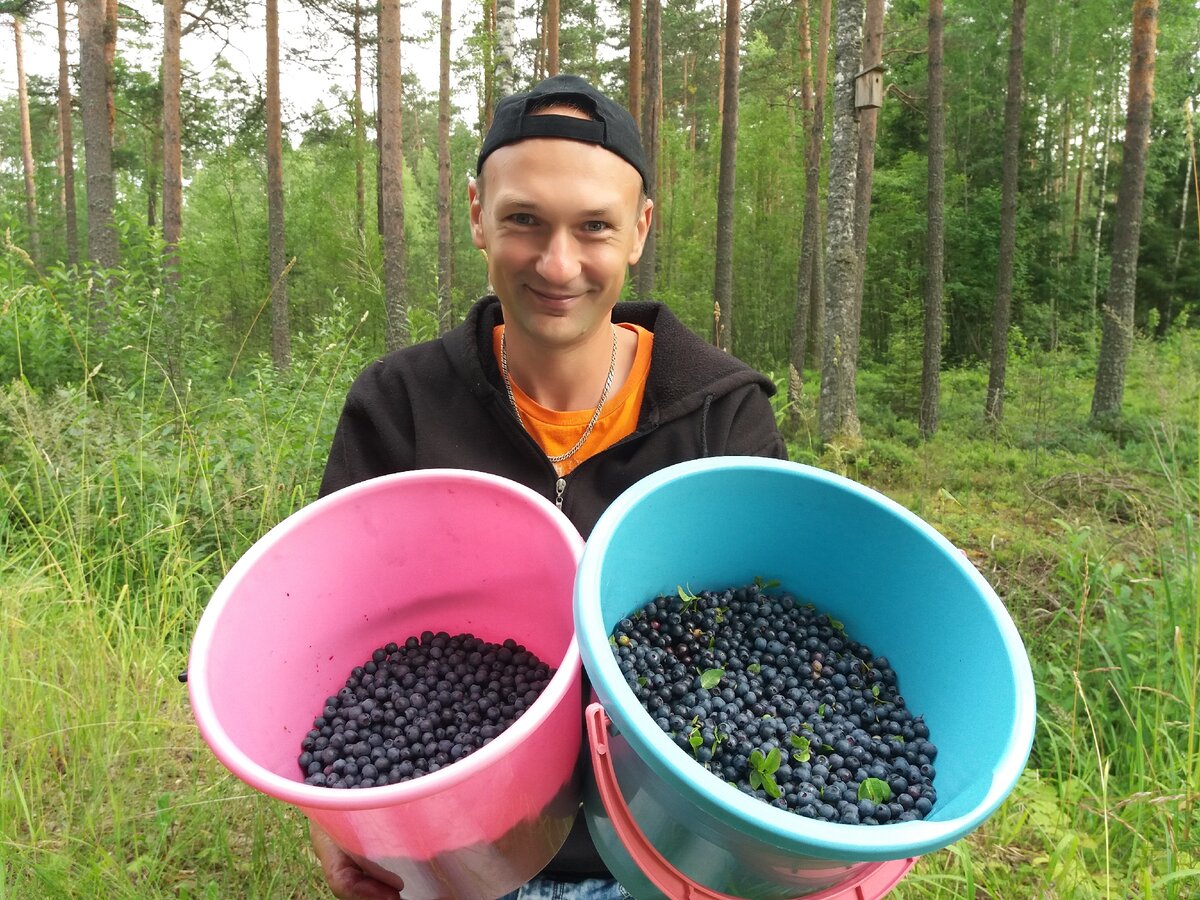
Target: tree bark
171, 138
489, 68
838, 406
1117, 319
1081, 164
552, 16
31, 217
94, 78
994, 406
931, 357
445, 247
1100, 205
506, 48
635, 59
66, 147
723, 277
281, 351
360, 132
651, 117
868, 120
391, 152
810, 294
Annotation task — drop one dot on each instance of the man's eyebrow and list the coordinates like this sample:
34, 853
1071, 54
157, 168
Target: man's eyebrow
599, 212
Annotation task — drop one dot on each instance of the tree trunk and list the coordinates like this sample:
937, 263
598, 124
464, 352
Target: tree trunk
445, 248
635, 59
489, 69
994, 406
810, 294
1117, 319
360, 132
868, 120
506, 48
723, 278
838, 407
392, 161
31, 218
171, 138
651, 116
66, 146
94, 78
1081, 164
281, 351
931, 358
1100, 205
552, 15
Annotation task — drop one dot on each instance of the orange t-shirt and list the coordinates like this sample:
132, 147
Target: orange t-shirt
556, 432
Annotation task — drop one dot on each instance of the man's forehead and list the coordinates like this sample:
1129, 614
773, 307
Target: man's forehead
588, 159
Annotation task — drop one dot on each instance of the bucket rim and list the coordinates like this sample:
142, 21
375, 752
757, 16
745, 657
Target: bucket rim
763, 822
568, 674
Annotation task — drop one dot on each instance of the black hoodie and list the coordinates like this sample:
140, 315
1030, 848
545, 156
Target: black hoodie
442, 404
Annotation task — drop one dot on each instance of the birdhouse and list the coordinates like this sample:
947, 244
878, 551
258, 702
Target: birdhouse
868, 88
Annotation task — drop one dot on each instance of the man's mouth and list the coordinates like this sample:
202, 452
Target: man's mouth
551, 296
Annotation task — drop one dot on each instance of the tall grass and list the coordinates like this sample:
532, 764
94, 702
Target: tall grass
125, 495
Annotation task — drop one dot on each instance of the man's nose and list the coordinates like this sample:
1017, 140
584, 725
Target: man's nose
559, 261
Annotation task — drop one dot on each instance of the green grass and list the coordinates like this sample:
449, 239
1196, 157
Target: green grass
123, 502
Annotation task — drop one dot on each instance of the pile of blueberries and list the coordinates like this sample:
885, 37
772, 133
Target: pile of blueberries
773, 696
416, 707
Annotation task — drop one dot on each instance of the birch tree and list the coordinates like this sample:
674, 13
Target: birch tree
723, 275
66, 140
1002, 311
838, 405
95, 78
931, 357
281, 351
1117, 313
391, 155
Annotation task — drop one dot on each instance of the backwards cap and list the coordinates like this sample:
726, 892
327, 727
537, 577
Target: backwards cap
611, 125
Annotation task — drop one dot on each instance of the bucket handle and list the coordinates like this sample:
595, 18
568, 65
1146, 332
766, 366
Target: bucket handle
653, 864
872, 884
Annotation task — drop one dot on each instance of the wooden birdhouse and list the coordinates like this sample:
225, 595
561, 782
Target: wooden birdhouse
868, 88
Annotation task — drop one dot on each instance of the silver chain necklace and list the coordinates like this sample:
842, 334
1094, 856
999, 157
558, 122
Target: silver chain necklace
612, 370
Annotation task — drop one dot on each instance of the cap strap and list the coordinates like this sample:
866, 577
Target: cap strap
568, 127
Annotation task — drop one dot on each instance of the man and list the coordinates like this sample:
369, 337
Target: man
550, 382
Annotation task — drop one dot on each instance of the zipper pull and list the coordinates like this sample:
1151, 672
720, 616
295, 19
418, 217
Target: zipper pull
559, 486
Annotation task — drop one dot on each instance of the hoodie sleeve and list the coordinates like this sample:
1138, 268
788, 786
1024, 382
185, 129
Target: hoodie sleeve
743, 424
374, 435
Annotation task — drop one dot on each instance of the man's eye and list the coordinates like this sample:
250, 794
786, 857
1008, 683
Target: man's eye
522, 219
595, 227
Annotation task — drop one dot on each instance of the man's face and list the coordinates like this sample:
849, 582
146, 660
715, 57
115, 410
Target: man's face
560, 221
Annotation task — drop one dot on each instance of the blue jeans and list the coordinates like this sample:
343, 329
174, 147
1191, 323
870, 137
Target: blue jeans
548, 889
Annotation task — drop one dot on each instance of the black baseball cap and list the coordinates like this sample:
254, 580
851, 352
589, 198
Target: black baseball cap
611, 125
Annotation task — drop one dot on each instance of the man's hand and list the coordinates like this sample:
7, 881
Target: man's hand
345, 878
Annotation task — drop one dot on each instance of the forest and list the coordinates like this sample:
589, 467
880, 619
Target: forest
964, 243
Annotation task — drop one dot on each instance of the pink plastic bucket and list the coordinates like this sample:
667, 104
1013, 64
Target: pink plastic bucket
438, 550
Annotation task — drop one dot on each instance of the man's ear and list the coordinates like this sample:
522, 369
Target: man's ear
476, 210
641, 230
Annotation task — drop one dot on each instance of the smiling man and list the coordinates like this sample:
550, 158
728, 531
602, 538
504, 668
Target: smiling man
551, 381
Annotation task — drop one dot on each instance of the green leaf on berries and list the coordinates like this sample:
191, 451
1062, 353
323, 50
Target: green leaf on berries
803, 752
754, 668
774, 758
710, 678
874, 789
695, 740
764, 585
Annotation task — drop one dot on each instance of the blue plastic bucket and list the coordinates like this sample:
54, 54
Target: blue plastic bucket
894, 582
